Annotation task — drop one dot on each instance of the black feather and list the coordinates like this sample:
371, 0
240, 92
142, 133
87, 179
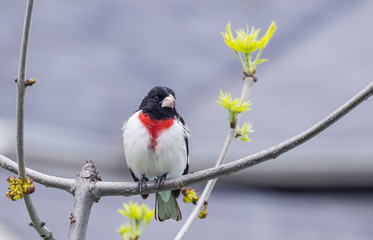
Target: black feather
152, 104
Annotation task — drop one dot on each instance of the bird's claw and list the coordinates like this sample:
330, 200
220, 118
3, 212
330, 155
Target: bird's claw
160, 180
142, 182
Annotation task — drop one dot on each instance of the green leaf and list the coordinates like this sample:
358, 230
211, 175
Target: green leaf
149, 216
265, 39
247, 42
244, 131
261, 61
138, 216
123, 212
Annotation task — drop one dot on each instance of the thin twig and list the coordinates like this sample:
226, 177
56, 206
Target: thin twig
21, 88
248, 83
208, 188
44, 232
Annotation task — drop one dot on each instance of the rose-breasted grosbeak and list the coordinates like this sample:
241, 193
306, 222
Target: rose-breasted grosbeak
155, 140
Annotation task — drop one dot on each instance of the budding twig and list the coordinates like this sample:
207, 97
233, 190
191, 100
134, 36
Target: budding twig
21, 88
248, 83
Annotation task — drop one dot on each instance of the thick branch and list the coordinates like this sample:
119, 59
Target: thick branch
84, 199
116, 188
130, 188
44, 179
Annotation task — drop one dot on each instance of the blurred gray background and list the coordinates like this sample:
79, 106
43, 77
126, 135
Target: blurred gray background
95, 60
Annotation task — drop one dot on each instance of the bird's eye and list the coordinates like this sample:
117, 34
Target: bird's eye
155, 98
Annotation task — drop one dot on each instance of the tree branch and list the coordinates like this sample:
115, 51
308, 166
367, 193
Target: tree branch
130, 188
44, 179
21, 88
84, 199
127, 189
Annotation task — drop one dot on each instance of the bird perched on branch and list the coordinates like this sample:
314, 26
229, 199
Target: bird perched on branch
155, 140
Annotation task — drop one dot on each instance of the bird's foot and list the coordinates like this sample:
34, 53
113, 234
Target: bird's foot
141, 186
142, 183
160, 180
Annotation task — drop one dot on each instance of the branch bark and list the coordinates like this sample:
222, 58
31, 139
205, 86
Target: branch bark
84, 199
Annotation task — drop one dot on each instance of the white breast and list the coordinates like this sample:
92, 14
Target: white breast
170, 155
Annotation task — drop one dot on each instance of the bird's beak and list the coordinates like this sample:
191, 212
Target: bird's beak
169, 101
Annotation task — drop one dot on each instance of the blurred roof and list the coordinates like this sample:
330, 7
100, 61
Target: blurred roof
94, 63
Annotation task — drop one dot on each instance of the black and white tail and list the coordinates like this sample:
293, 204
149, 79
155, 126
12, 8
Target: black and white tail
166, 210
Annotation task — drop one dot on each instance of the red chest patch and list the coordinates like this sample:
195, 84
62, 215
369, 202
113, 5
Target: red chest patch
154, 127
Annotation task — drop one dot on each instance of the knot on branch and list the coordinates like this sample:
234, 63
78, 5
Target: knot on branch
28, 82
42, 224
249, 74
89, 171
87, 179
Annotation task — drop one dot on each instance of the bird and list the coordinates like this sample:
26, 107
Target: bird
155, 141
